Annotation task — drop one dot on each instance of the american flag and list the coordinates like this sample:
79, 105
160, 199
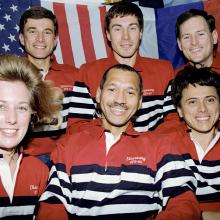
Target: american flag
81, 33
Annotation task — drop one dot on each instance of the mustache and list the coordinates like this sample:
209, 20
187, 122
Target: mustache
121, 105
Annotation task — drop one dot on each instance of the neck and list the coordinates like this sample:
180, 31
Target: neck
207, 63
43, 64
204, 139
130, 61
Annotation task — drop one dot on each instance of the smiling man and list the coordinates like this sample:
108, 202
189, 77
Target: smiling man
197, 38
39, 36
110, 171
196, 94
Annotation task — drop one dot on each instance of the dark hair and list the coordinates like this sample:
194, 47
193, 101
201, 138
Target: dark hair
38, 12
125, 68
192, 76
123, 9
210, 20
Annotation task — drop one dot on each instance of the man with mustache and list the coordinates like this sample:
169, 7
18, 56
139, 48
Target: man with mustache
110, 171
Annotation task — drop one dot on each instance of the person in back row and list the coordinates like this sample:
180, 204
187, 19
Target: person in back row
23, 106
124, 29
197, 38
196, 95
110, 171
38, 36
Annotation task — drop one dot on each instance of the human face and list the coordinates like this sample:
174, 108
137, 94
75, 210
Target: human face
199, 107
119, 99
196, 41
124, 35
15, 113
39, 38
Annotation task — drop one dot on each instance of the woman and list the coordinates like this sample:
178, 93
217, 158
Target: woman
25, 102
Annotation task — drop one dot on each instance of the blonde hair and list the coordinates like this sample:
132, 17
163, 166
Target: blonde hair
46, 100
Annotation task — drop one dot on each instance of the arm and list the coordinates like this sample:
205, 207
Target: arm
57, 197
175, 184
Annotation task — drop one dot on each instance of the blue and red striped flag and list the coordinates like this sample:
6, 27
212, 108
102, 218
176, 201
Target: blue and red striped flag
81, 33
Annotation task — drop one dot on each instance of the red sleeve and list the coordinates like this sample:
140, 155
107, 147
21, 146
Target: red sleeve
52, 212
183, 206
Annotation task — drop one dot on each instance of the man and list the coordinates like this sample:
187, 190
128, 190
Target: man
197, 38
196, 95
124, 28
108, 171
38, 35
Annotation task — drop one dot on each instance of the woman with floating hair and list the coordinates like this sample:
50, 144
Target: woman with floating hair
25, 102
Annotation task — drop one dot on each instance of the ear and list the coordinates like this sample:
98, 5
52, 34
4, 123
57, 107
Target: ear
21, 39
179, 44
140, 103
108, 35
98, 95
180, 112
55, 41
215, 36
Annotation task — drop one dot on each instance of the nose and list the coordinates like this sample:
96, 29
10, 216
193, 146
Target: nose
11, 116
125, 34
121, 97
202, 107
194, 40
40, 36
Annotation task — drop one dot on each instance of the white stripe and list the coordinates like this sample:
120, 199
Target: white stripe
112, 209
82, 111
99, 196
16, 210
57, 52
149, 44
81, 100
111, 179
75, 34
145, 117
208, 190
96, 31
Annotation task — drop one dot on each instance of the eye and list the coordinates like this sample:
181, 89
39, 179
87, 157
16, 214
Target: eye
192, 102
48, 32
185, 37
211, 100
3, 107
23, 108
111, 89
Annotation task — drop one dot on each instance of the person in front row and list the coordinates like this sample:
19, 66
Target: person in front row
23, 104
110, 171
196, 93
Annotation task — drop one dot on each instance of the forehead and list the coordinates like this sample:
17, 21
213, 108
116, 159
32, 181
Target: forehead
122, 77
14, 91
125, 20
198, 91
194, 24
42, 23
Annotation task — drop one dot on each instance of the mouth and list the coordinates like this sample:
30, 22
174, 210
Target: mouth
39, 46
118, 111
204, 118
9, 132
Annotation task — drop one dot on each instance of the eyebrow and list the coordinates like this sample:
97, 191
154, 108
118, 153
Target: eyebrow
47, 29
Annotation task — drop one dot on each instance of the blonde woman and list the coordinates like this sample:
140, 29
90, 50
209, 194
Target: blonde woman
25, 102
